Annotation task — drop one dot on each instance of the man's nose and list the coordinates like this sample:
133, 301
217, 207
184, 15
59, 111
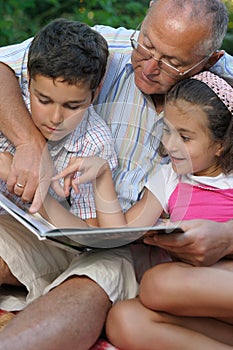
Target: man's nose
151, 66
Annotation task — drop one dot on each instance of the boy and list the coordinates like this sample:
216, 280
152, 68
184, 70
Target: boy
66, 63
61, 90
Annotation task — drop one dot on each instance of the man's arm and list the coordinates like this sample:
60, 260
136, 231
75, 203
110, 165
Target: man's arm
204, 242
27, 167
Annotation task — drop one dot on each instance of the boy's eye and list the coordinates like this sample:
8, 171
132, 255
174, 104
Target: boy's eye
44, 102
72, 107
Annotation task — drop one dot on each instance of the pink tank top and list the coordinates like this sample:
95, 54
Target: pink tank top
189, 202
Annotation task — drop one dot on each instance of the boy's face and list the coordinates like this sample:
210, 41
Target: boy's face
56, 106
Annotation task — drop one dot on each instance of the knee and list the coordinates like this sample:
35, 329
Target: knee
6, 276
121, 325
158, 286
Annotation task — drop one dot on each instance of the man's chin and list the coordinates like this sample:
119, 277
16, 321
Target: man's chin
153, 88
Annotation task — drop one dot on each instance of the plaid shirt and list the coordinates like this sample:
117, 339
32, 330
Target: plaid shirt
135, 125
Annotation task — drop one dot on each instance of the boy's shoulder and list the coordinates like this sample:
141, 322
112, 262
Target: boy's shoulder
91, 132
95, 121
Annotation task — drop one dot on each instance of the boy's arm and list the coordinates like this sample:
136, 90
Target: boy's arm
17, 126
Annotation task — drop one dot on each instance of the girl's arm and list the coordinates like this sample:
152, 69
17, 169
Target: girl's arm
59, 216
109, 213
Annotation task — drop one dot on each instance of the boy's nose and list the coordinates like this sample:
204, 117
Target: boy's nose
56, 116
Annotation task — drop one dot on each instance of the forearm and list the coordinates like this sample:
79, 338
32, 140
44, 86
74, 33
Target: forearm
109, 212
15, 120
57, 215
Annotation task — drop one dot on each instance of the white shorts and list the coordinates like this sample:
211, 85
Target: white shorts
39, 266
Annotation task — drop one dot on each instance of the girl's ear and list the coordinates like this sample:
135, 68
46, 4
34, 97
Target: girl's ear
219, 150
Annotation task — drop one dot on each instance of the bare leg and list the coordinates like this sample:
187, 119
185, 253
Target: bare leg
69, 317
131, 326
183, 290
6, 276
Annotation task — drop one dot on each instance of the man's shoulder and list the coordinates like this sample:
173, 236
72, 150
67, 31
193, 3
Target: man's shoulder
117, 38
224, 66
7, 51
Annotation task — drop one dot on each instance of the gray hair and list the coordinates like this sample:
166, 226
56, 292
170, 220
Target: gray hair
212, 12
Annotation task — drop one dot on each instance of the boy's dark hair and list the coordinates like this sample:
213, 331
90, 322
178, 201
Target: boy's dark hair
220, 119
70, 50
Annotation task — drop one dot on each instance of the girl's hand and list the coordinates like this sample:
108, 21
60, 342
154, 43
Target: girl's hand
81, 170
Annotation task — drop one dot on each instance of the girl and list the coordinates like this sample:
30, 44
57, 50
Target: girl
179, 306
198, 182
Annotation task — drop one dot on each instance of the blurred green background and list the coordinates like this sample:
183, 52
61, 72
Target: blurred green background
20, 19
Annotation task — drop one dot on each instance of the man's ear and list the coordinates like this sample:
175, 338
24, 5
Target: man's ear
28, 78
213, 59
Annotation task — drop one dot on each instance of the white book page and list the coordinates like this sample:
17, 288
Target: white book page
34, 222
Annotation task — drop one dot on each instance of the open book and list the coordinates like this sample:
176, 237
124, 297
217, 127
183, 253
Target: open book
82, 239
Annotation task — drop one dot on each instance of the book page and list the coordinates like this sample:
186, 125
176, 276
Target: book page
34, 222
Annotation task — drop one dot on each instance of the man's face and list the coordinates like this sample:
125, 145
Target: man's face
56, 106
171, 37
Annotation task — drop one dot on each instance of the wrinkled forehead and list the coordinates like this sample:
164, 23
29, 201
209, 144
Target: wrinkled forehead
175, 26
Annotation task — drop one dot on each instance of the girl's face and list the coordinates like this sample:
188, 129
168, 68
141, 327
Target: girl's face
56, 106
187, 139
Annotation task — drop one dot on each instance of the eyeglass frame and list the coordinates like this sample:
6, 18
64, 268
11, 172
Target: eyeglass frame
135, 43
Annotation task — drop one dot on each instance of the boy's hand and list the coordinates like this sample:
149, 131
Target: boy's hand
88, 169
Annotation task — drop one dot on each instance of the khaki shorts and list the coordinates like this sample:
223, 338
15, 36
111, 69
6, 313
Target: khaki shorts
39, 266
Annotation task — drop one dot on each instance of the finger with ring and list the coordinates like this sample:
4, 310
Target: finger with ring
20, 185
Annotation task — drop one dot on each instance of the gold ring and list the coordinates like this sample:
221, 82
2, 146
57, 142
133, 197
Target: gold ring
19, 185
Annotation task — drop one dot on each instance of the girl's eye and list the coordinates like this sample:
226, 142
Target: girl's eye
185, 138
166, 130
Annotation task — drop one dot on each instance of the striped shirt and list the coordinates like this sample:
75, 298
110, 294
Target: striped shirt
92, 137
135, 125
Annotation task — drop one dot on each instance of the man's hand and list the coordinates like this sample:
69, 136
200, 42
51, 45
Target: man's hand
30, 173
204, 242
5, 165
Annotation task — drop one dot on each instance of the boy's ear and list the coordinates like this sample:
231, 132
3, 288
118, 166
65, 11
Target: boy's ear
213, 59
97, 90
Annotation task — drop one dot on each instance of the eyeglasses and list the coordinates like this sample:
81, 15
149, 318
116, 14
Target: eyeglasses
163, 65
